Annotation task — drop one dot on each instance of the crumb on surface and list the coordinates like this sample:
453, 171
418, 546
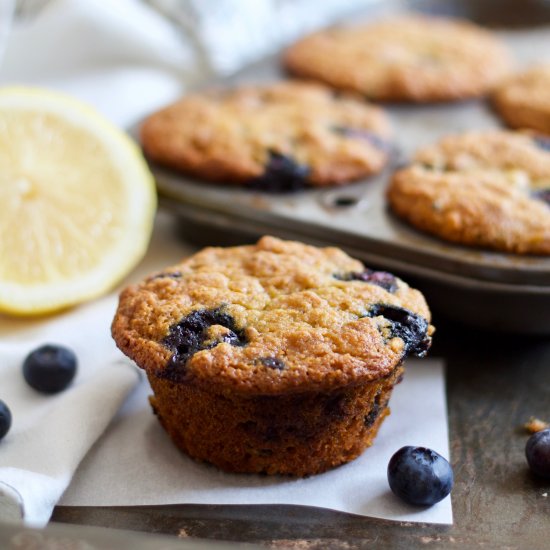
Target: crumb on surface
535, 425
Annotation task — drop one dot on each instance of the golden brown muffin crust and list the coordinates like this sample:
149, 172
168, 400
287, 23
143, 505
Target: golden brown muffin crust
523, 100
297, 434
276, 301
487, 189
231, 135
409, 58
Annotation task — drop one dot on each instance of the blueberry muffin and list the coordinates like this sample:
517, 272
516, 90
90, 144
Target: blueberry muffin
278, 137
523, 100
274, 358
489, 189
410, 58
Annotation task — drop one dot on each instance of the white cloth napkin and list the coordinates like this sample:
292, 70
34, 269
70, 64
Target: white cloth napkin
50, 436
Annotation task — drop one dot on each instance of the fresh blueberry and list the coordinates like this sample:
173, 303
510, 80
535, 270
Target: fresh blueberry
5, 419
537, 451
420, 476
281, 174
50, 368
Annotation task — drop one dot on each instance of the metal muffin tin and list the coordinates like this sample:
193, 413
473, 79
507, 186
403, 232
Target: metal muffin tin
488, 289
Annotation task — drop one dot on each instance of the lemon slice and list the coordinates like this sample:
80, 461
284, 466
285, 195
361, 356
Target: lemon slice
77, 202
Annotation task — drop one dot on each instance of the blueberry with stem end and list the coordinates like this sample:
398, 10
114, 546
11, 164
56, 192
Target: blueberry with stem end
50, 368
537, 452
420, 476
5, 419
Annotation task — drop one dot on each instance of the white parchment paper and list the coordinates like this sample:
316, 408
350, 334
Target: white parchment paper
135, 462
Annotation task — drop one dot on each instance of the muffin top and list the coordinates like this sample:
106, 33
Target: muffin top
523, 100
271, 318
408, 58
489, 189
275, 137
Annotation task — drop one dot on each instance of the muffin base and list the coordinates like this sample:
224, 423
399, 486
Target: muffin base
297, 434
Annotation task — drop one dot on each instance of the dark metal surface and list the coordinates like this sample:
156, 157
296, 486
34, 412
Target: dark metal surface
71, 537
495, 383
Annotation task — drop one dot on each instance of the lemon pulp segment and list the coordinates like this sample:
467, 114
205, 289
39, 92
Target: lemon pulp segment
76, 202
